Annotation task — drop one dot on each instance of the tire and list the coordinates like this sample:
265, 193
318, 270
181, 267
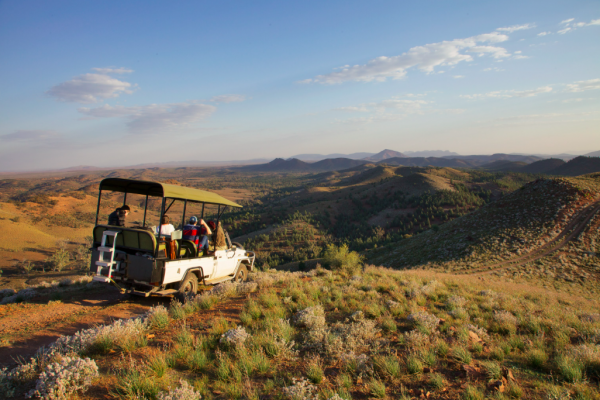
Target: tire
238, 245
189, 286
242, 274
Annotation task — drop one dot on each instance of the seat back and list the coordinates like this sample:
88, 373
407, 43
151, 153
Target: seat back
187, 249
127, 239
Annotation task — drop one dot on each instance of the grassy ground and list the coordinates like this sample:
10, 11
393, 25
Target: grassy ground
377, 334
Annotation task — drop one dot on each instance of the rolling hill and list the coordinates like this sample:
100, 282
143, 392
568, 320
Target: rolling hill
578, 166
429, 161
479, 160
295, 165
542, 166
518, 224
504, 165
384, 155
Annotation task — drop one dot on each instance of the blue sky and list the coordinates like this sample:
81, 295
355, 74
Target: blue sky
120, 83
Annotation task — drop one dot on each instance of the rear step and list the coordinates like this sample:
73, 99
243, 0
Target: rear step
103, 248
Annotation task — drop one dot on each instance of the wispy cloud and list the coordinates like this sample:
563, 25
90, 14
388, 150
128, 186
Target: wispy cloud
113, 70
570, 26
544, 33
426, 58
458, 76
155, 117
582, 86
506, 94
393, 109
228, 98
511, 29
30, 136
92, 88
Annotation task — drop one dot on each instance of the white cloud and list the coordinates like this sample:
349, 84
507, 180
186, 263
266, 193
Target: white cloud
582, 86
571, 27
425, 58
29, 136
511, 29
573, 100
544, 33
228, 98
353, 109
154, 117
112, 70
392, 109
458, 76
495, 69
505, 94
91, 88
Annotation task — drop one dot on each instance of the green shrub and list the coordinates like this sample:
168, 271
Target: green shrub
536, 358
414, 365
493, 370
570, 369
461, 354
436, 381
158, 364
340, 258
389, 366
377, 388
389, 325
197, 360
314, 371
472, 393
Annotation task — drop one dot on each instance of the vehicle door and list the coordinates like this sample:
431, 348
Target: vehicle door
226, 262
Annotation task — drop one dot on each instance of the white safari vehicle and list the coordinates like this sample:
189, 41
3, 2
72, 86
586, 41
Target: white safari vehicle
141, 262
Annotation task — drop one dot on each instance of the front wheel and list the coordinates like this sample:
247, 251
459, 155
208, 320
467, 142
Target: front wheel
188, 287
242, 274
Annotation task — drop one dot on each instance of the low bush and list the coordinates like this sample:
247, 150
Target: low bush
65, 377
342, 259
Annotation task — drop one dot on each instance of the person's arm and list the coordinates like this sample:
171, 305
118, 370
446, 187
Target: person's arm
204, 224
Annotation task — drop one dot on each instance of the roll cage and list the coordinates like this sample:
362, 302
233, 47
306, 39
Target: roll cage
168, 193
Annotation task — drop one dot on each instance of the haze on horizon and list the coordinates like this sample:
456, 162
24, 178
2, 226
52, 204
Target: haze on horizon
123, 83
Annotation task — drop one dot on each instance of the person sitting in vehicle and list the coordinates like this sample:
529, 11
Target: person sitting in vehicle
197, 234
117, 217
218, 237
166, 228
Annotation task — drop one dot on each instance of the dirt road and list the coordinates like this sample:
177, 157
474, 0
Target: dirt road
26, 327
573, 228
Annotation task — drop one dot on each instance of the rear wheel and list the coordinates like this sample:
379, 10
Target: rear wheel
241, 274
188, 287
238, 245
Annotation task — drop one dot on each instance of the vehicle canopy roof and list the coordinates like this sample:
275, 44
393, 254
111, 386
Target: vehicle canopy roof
164, 190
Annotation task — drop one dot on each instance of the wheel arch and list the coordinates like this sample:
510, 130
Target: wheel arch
198, 271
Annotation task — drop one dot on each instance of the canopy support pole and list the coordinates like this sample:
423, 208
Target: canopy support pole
162, 213
98, 206
145, 209
183, 216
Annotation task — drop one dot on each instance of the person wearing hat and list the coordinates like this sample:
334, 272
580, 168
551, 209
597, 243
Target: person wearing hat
197, 234
117, 217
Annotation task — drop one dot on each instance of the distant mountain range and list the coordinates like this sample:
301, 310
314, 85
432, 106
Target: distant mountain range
384, 155
553, 166
374, 156
496, 162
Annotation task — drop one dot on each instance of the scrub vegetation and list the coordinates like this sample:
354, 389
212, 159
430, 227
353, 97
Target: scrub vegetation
408, 283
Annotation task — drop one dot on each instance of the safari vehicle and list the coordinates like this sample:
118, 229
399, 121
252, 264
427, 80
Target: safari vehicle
141, 261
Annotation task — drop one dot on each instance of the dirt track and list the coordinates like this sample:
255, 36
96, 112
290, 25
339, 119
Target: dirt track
26, 327
573, 228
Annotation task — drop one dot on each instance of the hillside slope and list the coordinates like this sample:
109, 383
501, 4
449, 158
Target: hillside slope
578, 166
543, 166
519, 223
